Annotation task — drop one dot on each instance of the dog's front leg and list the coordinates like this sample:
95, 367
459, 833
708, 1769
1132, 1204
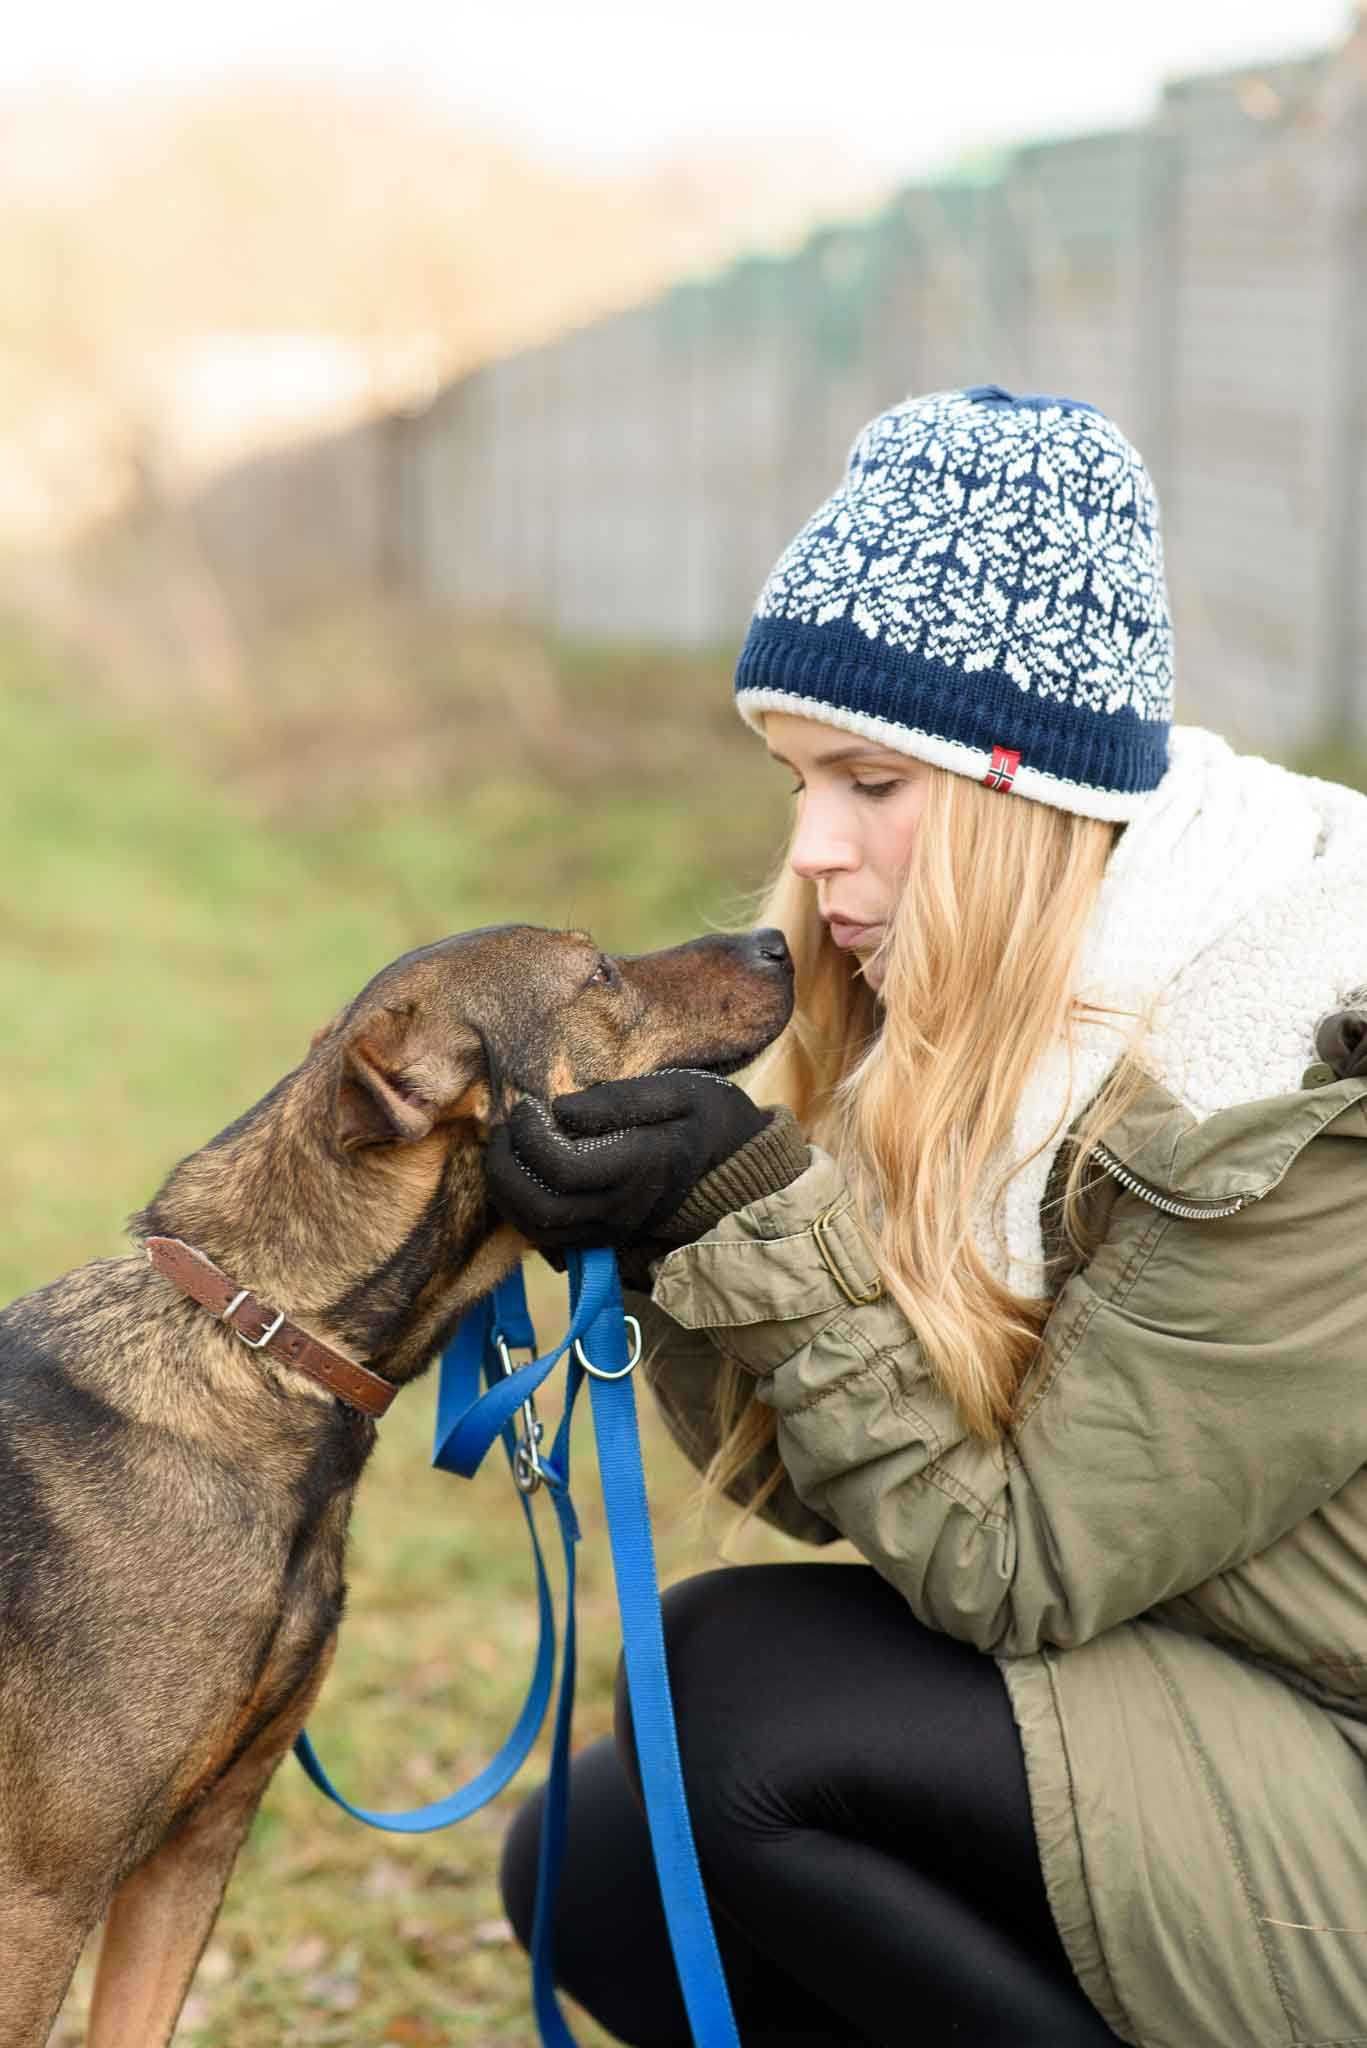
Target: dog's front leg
40, 1940
163, 1912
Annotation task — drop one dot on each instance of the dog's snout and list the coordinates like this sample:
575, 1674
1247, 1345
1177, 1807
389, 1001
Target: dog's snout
767, 948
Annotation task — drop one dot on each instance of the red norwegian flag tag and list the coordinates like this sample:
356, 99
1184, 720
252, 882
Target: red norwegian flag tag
1002, 773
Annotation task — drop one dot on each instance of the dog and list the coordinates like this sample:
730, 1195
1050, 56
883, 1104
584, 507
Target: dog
174, 1504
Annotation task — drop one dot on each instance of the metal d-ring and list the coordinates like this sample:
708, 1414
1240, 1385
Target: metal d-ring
623, 1372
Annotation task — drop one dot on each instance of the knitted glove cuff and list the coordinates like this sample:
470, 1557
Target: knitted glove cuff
771, 1160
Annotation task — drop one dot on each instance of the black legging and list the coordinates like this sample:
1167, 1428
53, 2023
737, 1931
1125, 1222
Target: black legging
859, 1804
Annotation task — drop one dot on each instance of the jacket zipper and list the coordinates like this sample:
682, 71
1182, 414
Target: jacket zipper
1196, 1211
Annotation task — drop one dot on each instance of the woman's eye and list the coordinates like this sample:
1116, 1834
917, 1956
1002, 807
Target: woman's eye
876, 789
797, 789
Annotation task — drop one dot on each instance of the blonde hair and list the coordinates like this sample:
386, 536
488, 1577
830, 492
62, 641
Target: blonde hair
914, 1090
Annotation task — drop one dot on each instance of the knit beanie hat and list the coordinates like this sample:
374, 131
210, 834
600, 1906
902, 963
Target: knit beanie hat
984, 589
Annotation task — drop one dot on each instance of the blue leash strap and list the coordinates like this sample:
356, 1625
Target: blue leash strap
473, 1353
467, 1424
612, 1395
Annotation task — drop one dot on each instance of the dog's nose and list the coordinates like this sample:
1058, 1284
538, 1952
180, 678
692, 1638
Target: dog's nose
767, 948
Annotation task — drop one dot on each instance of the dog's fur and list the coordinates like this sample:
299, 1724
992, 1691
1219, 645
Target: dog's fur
173, 1507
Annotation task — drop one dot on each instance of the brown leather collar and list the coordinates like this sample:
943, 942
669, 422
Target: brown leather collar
266, 1329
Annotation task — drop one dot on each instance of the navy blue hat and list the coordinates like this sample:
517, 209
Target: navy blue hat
984, 590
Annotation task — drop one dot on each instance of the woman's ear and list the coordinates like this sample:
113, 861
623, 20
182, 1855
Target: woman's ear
402, 1075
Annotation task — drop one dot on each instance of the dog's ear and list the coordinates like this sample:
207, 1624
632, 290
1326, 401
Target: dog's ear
325, 1031
402, 1075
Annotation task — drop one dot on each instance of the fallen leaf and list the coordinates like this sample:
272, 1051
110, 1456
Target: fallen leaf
413, 2031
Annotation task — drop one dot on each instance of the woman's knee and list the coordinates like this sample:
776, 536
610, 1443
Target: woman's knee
610, 1940
605, 1857
518, 1866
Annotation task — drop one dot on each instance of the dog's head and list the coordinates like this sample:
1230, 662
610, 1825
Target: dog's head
449, 1037
353, 1194
413, 1075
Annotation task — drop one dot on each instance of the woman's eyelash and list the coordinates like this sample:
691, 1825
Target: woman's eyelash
873, 789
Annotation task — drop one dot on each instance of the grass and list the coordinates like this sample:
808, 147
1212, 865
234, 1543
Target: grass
173, 930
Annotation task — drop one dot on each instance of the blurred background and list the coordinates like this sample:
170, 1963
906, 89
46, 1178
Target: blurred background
399, 411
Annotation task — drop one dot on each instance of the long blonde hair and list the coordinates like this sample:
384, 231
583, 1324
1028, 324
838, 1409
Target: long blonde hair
914, 1090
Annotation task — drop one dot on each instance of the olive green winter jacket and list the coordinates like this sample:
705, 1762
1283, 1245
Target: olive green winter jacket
1167, 1555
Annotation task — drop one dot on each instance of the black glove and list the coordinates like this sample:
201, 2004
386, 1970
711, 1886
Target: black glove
611, 1164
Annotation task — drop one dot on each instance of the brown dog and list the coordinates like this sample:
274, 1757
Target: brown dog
173, 1505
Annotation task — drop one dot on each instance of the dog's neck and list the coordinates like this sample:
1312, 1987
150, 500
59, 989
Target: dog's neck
377, 1254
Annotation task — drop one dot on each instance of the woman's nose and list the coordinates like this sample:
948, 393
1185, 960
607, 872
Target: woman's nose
819, 846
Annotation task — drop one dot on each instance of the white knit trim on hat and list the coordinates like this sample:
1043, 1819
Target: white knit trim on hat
1085, 801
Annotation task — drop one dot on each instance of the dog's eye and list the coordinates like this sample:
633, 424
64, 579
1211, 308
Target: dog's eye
604, 974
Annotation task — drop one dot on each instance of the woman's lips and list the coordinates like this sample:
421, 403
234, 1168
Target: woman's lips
846, 933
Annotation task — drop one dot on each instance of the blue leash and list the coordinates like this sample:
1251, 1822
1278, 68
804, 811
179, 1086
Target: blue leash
467, 1424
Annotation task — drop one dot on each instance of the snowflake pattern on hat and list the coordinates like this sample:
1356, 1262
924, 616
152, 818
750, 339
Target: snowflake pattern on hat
1017, 539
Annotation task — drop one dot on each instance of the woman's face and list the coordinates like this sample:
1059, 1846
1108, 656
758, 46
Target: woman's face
859, 805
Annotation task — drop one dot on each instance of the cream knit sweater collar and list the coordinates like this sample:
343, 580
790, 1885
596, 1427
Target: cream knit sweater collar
1238, 896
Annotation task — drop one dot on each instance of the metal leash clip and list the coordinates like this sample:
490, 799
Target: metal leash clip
528, 1470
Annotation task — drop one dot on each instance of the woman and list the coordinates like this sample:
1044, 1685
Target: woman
1039, 1284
